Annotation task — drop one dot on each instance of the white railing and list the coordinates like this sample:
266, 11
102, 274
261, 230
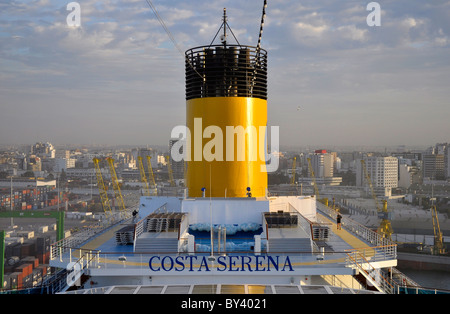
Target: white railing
77, 239
375, 276
141, 225
359, 230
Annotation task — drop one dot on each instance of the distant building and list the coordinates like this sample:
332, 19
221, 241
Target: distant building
63, 164
447, 162
408, 175
34, 163
62, 154
322, 164
177, 166
383, 172
433, 166
144, 152
43, 150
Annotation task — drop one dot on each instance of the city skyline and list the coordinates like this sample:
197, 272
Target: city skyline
118, 79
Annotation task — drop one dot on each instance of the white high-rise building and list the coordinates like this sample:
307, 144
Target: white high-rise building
322, 164
383, 172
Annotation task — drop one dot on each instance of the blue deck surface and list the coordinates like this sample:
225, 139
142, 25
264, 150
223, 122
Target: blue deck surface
111, 246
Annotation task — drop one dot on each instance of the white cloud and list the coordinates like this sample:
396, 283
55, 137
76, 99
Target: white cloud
353, 33
308, 30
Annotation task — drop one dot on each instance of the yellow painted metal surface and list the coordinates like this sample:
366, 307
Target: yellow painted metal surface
227, 146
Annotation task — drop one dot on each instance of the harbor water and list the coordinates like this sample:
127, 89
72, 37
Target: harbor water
429, 278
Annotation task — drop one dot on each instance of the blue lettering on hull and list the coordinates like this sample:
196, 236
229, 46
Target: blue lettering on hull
231, 263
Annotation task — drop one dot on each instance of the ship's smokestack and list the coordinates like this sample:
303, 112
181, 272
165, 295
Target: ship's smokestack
226, 92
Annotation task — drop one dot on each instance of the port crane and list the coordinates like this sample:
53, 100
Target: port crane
294, 168
150, 172
102, 189
143, 177
385, 228
439, 247
116, 186
313, 176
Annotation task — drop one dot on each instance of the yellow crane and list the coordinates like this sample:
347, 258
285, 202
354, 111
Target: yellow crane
102, 189
385, 228
439, 247
316, 189
116, 187
313, 176
143, 177
294, 168
169, 167
150, 172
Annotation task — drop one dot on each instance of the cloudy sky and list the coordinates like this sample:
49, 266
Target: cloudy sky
118, 79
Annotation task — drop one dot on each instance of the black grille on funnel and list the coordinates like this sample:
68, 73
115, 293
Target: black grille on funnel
226, 71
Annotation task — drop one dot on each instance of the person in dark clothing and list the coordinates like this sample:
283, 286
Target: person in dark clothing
338, 221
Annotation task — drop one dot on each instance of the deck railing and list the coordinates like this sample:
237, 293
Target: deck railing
77, 239
374, 275
362, 232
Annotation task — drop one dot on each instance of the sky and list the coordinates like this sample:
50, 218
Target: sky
118, 79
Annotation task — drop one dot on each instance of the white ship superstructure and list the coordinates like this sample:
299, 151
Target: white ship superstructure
269, 243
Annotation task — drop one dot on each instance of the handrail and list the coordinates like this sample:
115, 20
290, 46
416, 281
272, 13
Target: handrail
356, 228
140, 225
366, 268
75, 240
377, 253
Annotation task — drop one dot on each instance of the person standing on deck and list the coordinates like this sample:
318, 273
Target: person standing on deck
338, 221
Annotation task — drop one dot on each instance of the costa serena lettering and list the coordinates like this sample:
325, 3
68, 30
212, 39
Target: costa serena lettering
230, 263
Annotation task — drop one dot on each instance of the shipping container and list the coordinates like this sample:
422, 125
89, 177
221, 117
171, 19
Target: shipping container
11, 281
42, 269
43, 257
9, 247
9, 269
31, 260
16, 280
42, 245
27, 249
6, 284
36, 275
28, 281
24, 269
17, 250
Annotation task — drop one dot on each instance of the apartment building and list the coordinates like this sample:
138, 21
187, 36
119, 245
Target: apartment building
383, 172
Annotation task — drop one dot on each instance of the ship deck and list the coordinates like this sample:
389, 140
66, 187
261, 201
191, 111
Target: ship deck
335, 248
339, 241
343, 252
